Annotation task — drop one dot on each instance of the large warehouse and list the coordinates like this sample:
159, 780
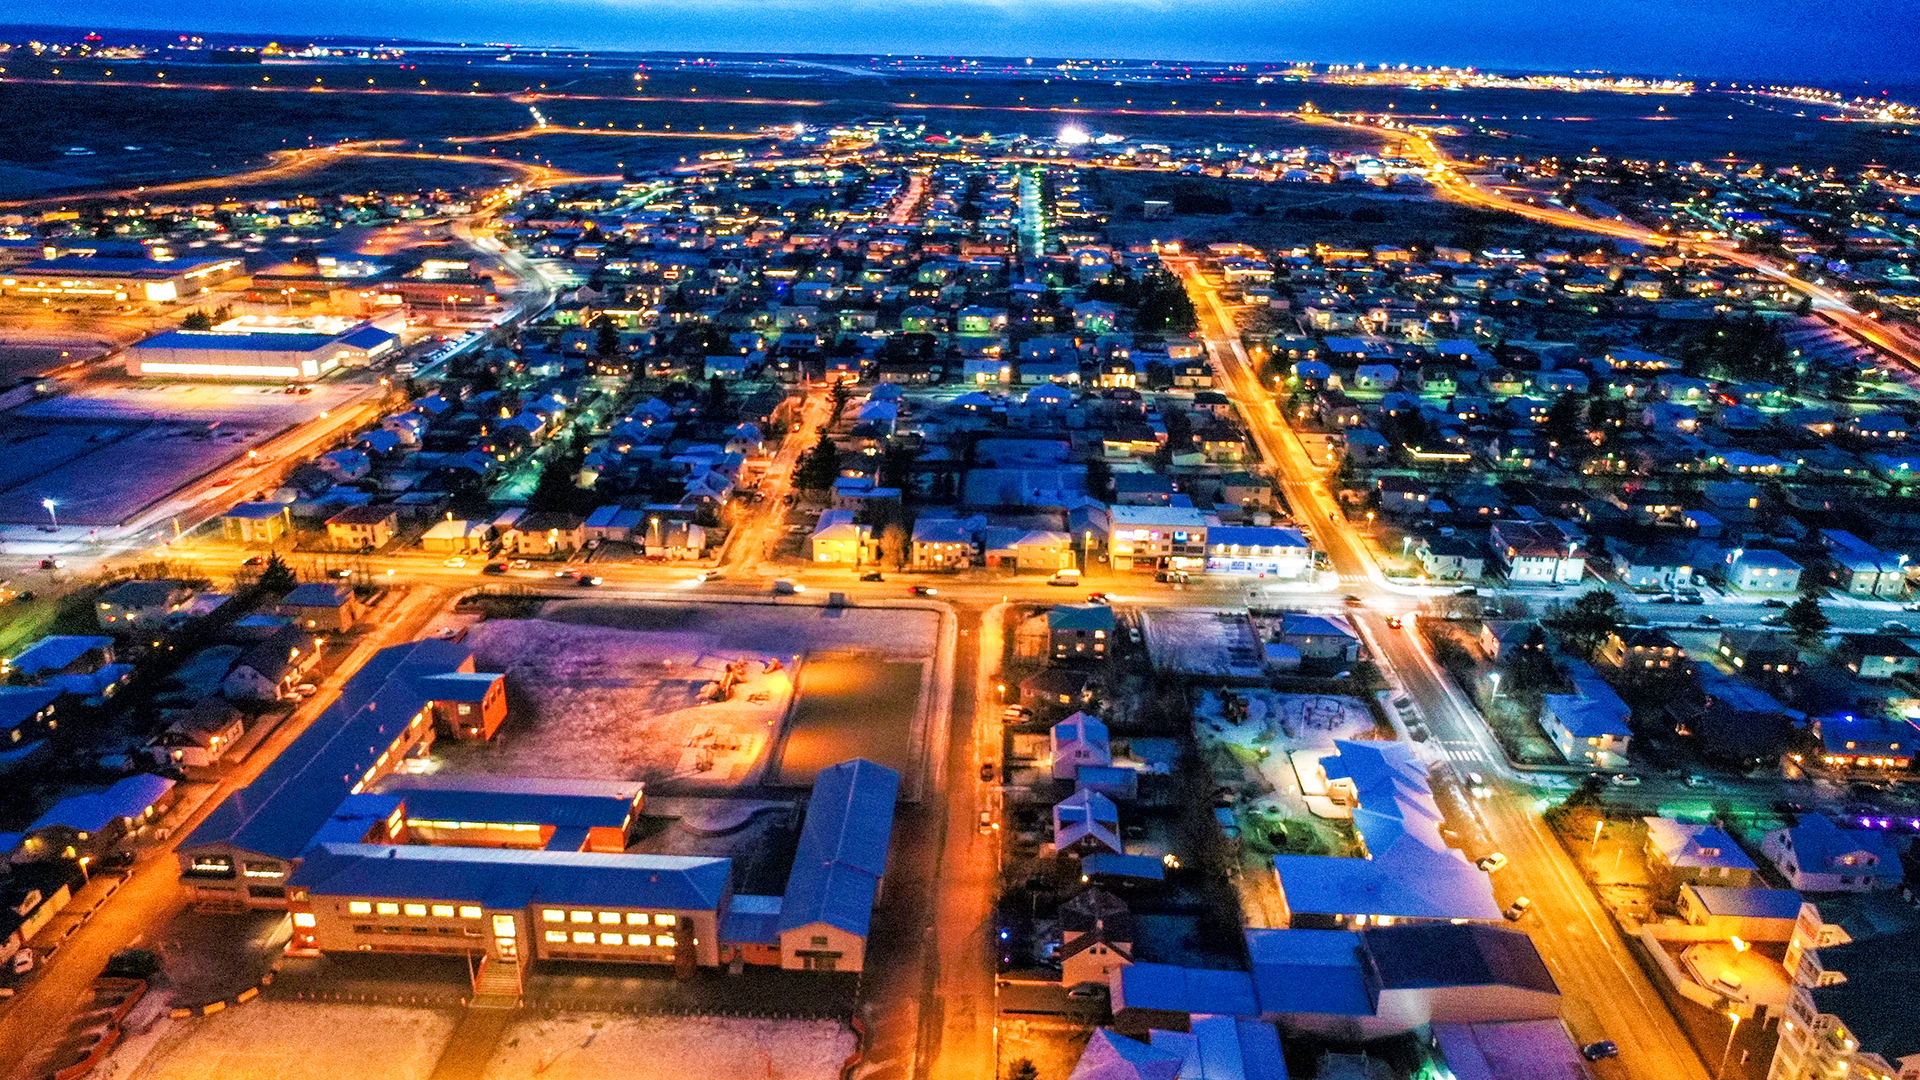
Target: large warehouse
257, 355
104, 278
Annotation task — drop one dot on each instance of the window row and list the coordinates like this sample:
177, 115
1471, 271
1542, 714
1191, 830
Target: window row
416, 911
608, 918
587, 937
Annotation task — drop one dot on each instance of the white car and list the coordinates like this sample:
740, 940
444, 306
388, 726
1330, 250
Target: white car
456, 561
1624, 780
1492, 862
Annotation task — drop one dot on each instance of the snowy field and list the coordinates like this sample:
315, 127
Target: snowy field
1196, 641
591, 702
274, 1040
586, 1047
779, 629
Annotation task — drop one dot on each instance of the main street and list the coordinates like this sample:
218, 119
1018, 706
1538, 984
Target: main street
1605, 993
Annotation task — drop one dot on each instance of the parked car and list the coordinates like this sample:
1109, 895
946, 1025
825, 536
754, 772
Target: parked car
1352, 600
708, 575
456, 562
1477, 786
1706, 620
254, 560
986, 821
1773, 601
342, 572
1697, 781
519, 564
1692, 598
1171, 577
1099, 598
1598, 1051
986, 770
1492, 862
52, 564
1624, 780
1516, 909
494, 568
1663, 598
1895, 626
872, 575
1088, 992
923, 590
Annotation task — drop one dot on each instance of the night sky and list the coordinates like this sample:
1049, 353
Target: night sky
1831, 42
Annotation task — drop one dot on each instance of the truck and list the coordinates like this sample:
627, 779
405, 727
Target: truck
1069, 577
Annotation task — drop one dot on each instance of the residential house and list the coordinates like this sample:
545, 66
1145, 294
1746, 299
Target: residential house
1080, 631
1877, 656
1452, 558
1319, 637
1865, 744
545, 533
256, 523
1079, 740
1537, 553
325, 606
140, 605
363, 528
1096, 937
1086, 823
1696, 854
269, 669
1758, 570
199, 736
941, 543
1815, 855
1149, 537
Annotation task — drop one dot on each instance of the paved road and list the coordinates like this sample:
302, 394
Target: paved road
1606, 996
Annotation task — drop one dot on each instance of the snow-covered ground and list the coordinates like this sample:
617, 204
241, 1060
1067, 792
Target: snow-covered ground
594, 702
1198, 641
277, 1040
587, 1047
1283, 736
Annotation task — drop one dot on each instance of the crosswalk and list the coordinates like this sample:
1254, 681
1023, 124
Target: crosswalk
1464, 752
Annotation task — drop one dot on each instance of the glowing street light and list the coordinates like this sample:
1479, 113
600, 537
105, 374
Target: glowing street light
50, 504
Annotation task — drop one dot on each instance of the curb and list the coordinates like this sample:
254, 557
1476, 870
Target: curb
223, 1004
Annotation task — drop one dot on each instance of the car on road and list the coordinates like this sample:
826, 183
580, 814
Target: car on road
1516, 909
1171, 577
1477, 786
588, 581
1600, 1051
1663, 598
519, 564
494, 568
1068, 578
566, 573
1014, 714
1706, 620
52, 564
1133, 634
1773, 620
1773, 601
783, 587
1911, 605
923, 590
986, 821
254, 560
456, 562
1492, 862
1394, 622
872, 575
1624, 780
708, 575
1352, 599
342, 572
1697, 782
1692, 598
1099, 598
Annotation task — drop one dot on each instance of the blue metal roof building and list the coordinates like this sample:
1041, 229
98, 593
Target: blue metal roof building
837, 870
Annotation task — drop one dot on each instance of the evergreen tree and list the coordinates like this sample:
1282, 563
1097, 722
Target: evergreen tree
819, 468
1805, 619
276, 576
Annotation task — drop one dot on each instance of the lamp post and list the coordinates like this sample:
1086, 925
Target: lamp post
50, 504
1598, 827
1728, 1052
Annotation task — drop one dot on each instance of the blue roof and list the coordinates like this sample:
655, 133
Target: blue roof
458, 685
367, 337
843, 848
1106, 864
318, 594
257, 511
56, 651
1256, 536
19, 704
1170, 988
110, 266
1408, 888
1080, 617
514, 877
242, 342
1310, 971
127, 798
516, 800
287, 803
752, 920
1748, 903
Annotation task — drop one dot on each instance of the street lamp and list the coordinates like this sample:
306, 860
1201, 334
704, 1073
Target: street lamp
1728, 1052
50, 504
1493, 677
1598, 827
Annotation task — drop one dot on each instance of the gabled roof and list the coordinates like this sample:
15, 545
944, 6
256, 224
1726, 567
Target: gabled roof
842, 853
1690, 845
127, 798
56, 651
514, 877
1443, 954
1323, 972
1116, 1057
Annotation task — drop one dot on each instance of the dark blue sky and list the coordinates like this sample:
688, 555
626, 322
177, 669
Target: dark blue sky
1826, 41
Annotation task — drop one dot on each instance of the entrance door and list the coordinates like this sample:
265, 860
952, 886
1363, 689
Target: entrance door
506, 939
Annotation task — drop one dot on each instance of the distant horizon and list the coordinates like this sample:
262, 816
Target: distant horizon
1829, 43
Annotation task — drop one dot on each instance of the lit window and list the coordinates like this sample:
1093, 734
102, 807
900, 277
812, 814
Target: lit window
610, 918
580, 916
665, 941
359, 907
583, 937
468, 911
642, 940
443, 911
418, 911
558, 937
387, 909
636, 918
609, 939
666, 920
303, 919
